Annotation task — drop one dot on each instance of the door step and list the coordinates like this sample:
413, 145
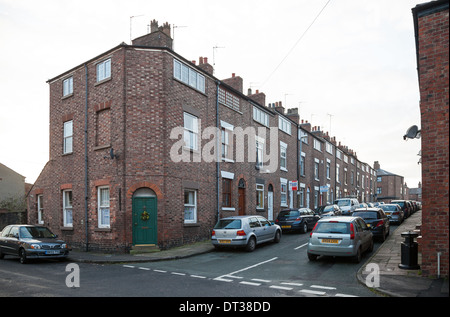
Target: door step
144, 248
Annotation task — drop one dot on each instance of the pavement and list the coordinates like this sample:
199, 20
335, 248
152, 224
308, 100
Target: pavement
392, 281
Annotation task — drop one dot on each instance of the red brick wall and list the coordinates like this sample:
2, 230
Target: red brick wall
433, 33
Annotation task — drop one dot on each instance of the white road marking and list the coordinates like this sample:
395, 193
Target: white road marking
250, 283
292, 284
281, 287
160, 271
176, 273
322, 287
301, 246
198, 276
260, 280
129, 266
312, 292
344, 295
144, 268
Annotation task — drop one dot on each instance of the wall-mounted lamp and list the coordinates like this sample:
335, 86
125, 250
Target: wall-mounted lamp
112, 156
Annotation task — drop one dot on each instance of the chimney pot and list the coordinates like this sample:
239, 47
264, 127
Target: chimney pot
233, 75
200, 61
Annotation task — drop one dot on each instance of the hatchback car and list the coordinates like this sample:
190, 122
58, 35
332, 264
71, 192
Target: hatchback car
331, 210
31, 242
302, 219
340, 236
244, 231
394, 212
405, 205
377, 219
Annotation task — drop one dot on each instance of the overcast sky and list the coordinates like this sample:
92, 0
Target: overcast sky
350, 69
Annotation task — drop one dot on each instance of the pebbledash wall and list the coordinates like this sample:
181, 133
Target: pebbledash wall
431, 22
131, 164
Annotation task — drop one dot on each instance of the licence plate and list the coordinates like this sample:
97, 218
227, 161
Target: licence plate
52, 252
225, 241
285, 227
335, 241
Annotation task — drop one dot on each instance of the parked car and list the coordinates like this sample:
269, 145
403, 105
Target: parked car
394, 212
363, 205
330, 210
31, 242
244, 231
347, 205
340, 236
405, 205
302, 219
377, 219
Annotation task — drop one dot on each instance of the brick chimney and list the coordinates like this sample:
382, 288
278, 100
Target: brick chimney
203, 64
292, 114
259, 97
376, 165
235, 82
159, 36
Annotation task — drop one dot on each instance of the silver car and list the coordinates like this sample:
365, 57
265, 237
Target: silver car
244, 231
340, 236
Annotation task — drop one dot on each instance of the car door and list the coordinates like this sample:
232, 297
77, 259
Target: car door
268, 231
11, 241
365, 235
256, 228
4, 239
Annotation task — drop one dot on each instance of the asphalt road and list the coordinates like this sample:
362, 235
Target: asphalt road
271, 271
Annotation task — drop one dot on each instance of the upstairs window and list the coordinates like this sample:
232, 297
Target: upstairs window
191, 131
284, 125
67, 86
260, 116
188, 75
68, 137
228, 99
104, 70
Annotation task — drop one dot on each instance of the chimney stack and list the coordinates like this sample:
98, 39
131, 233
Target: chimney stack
159, 36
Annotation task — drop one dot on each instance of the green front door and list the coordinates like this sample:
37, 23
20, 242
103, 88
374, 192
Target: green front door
145, 220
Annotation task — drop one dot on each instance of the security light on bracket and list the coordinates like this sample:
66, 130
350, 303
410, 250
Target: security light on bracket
412, 133
112, 156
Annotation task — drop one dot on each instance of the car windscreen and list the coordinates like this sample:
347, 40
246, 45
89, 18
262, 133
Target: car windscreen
35, 233
400, 203
365, 214
228, 224
332, 227
341, 203
388, 208
289, 214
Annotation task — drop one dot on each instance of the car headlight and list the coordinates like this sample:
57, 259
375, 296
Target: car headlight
35, 246
64, 246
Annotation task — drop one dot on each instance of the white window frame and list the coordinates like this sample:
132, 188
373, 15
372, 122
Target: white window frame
67, 208
259, 151
103, 70
68, 137
227, 141
260, 116
188, 76
284, 125
317, 145
283, 156
190, 131
190, 205
283, 192
316, 169
68, 86
103, 208
260, 195
40, 208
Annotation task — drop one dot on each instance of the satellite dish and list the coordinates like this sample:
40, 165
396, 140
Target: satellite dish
412, 133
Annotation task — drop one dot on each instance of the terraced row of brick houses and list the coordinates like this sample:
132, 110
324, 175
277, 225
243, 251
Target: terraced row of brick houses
149, 148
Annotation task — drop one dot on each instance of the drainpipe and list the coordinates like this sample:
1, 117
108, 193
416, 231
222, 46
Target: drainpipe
86, 160
217, 150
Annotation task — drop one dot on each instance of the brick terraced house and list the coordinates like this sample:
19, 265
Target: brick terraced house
432, 32
149, 148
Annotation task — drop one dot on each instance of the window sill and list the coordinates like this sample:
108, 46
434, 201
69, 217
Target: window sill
228, 209
66, 228
102, 230
102, 81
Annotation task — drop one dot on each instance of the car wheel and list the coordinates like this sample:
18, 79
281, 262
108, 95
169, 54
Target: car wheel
357, 257
305, 228
312, 257
277, 236
22, 256
251, 245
